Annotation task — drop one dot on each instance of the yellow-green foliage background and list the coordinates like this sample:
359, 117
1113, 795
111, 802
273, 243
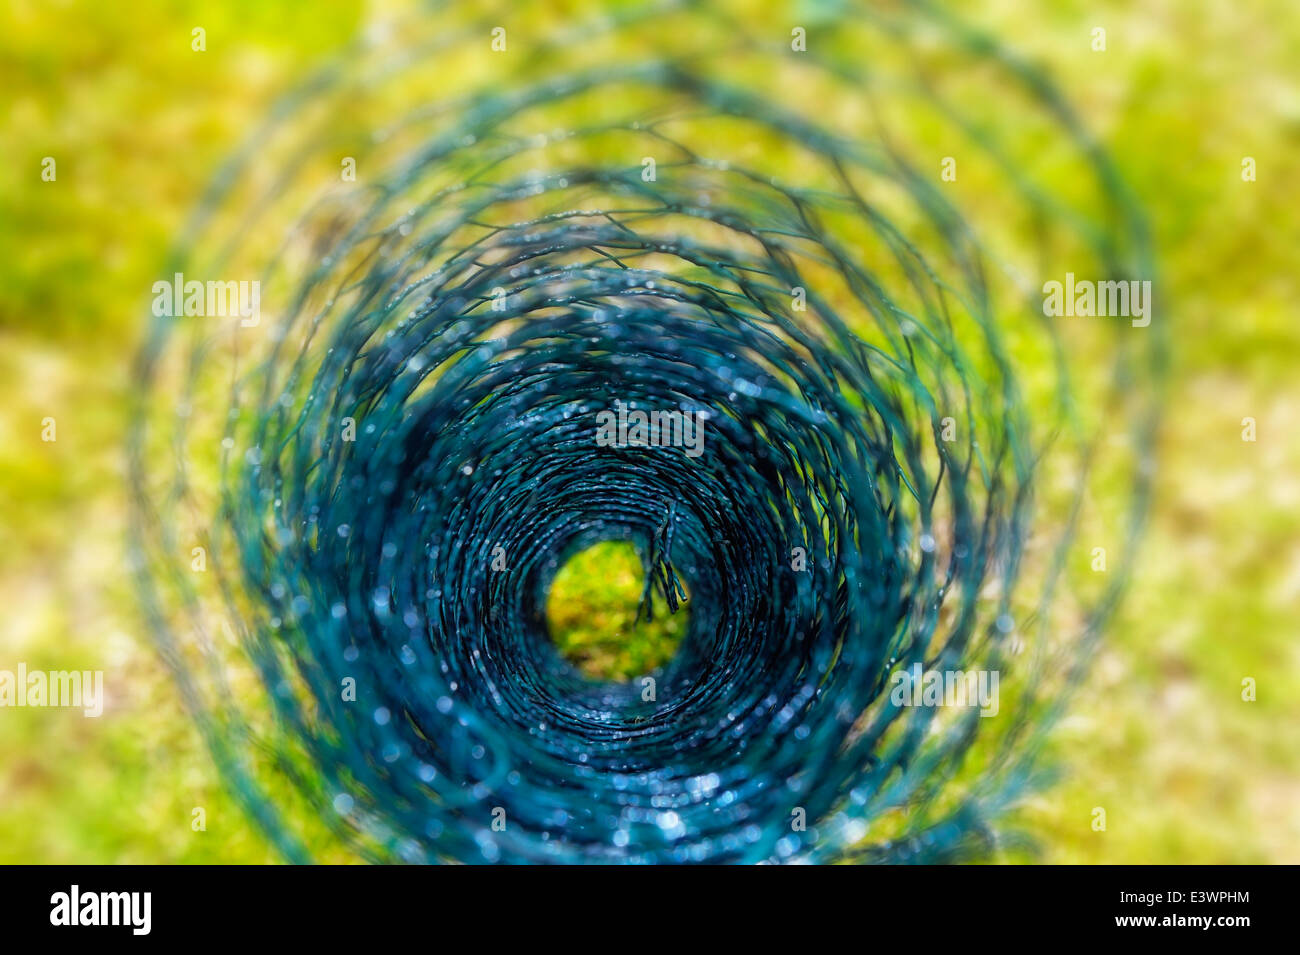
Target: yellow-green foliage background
1159, 737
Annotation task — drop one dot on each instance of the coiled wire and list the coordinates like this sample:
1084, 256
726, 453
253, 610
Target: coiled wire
386, 471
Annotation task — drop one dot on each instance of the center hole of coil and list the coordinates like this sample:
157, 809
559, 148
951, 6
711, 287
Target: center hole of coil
592, 615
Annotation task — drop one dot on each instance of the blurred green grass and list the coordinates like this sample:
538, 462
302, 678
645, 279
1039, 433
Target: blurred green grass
591, 613
1160, 736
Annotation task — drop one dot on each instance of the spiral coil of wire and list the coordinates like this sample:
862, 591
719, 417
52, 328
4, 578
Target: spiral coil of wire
676, 212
